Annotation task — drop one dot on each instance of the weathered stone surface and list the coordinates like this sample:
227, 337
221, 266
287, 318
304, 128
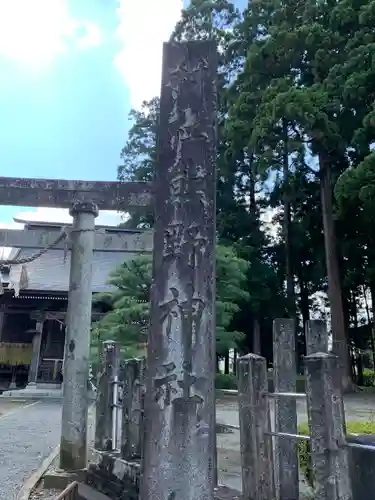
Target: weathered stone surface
113, 476
119, 479
59, 480
224, 493
105, 240
64, 193
362, 467
133, 378
284, 369
256, 446
109, 371
73, 448
179, 456
327, 428
316, 336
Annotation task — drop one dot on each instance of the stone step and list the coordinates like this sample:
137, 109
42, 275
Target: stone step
85, 492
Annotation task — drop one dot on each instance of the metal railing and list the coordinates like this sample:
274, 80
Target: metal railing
70, 493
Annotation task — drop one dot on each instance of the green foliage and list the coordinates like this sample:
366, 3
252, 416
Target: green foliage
128, 311
296, 98
128, 316
368, 378
139, 154
352, 428
225, 381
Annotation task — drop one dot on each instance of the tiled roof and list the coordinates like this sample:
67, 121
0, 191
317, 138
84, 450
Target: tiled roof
50, 272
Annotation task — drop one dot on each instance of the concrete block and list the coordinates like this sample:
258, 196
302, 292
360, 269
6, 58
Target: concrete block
59, 479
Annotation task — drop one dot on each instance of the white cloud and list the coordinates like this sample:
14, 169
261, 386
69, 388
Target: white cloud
143, 27
33, 32
60, 215
91, 36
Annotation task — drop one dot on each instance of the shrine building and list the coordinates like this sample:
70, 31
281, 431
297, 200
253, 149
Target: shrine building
34, 298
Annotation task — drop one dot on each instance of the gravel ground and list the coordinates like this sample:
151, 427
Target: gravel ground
9, 406
41, 494
28, 435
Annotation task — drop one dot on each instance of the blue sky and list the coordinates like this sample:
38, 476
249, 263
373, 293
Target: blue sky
70, 72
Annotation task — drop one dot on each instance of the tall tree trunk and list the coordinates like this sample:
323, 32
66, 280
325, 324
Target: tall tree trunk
370, 323
256, 347
304, 297
340, 344
287, 226
256, 337
358, 359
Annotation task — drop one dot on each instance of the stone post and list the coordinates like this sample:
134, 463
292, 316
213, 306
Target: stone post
256, 445
37, 340
329, 453
2, 320
284, 369
109, 370
73, 446
316, 336
179, 450
133, 409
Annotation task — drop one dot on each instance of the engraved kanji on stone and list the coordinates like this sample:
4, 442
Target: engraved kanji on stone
173, 240
165, 387
170, 311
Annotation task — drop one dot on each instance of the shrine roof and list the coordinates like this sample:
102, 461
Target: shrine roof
50, 272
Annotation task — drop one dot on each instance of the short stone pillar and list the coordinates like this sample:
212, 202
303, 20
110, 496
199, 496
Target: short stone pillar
73, 446
37, 340
2, 318
106, 426
329, 453
316, 336
362, 467
133, 408
256, 443
284, 373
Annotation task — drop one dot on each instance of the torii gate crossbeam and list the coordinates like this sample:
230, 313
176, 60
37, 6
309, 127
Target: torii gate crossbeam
62, 193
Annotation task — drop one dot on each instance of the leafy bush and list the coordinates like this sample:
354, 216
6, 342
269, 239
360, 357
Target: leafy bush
368, 378
304, 455
225, 381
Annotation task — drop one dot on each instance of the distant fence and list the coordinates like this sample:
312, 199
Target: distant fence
269, 454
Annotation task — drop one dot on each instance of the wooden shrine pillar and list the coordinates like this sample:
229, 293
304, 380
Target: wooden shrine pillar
37, 340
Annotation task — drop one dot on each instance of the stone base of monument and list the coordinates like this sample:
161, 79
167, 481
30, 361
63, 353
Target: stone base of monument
59, 479
35, 391
112, 476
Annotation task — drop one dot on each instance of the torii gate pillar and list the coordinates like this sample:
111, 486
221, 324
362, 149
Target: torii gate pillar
73, 446
84, 199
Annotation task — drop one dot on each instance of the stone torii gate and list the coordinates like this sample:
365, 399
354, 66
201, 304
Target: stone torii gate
179, 454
